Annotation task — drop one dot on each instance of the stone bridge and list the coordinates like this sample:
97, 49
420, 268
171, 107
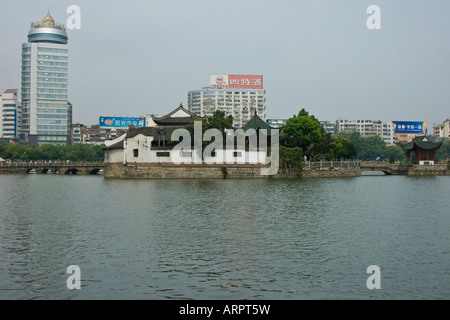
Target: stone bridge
41, 167
383, 166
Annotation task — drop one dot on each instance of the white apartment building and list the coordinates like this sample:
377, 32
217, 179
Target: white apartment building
237, 95
442, 130
46, 111
328, 126
10, 114
367, 128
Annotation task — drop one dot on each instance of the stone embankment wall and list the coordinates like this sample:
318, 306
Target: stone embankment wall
186, 171
436, 170
219, 171
190, 171
331, 169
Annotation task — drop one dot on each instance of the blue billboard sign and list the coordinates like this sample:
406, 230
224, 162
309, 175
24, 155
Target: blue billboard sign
121, 122
419, 127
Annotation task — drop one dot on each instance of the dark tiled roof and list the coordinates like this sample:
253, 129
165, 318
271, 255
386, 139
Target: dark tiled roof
257, 123
423, 142
168, 120
161, 132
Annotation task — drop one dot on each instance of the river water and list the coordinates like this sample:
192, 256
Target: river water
224, 239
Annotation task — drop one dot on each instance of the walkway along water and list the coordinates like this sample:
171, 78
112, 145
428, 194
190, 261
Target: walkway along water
57, 167
310, 169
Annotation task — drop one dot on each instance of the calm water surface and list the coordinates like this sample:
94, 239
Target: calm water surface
224, 239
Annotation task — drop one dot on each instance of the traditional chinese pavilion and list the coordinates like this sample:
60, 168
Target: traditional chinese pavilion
257, 124
177, 118
423, 149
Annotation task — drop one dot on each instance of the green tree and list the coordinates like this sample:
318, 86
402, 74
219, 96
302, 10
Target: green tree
291, 160
99, 153
367, 148
333, 147
301, 131
49, 152
218, 120
393, 154
80, 152
443, 153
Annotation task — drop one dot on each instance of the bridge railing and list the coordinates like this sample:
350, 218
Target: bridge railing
52, 163
328, 164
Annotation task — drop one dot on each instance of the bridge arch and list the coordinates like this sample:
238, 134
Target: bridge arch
95, 171
377, 172
71, 171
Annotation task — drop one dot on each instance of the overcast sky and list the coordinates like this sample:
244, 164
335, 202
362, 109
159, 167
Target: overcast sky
137, 57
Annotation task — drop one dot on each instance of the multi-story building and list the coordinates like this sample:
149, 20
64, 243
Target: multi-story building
442, 130
46, 111
240, 96
367, 128
10, 114
328, 126
94, 135
387, 133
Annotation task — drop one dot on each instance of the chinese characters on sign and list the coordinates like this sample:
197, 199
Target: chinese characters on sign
121, 122
410, 127
237, 81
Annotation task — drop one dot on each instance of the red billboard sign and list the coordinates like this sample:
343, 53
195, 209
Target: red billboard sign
237, 81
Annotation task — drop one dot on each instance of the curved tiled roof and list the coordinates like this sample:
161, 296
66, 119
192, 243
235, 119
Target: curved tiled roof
422, 142
174, 118
257, 123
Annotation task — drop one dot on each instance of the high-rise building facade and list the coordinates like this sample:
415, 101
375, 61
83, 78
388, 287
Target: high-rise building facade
10, 114
46, 111
237, 95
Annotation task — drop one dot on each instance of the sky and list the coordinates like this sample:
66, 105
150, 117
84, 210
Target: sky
137, 57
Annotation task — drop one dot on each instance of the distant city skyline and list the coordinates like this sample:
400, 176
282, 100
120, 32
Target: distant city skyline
143, 57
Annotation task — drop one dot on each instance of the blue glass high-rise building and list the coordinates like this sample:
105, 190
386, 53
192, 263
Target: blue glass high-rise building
46, 111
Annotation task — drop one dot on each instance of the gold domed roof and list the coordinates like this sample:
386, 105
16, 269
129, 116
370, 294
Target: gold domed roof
48, 19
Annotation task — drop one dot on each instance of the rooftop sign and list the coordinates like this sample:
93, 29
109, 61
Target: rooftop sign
236, 81
121, 122
419, 127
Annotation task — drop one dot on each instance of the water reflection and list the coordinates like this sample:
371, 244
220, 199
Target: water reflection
223, 239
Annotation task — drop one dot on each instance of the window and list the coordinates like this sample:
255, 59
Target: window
136, 153
163, 154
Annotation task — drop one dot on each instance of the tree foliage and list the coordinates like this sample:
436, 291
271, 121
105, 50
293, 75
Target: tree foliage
76, 152
370, 148
443, 152
333, 148
218, 120
291, 160
301, 131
